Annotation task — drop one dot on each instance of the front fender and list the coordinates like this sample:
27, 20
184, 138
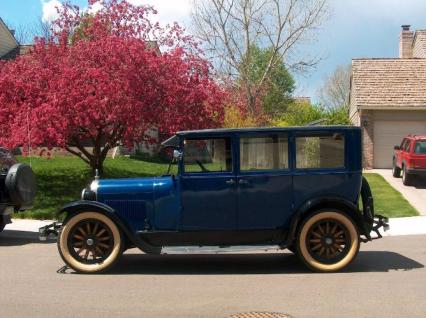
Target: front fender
76, 207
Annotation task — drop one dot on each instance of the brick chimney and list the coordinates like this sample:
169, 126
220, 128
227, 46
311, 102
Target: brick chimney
406, 42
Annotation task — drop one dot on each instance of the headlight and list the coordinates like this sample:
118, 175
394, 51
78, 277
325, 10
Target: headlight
88, 194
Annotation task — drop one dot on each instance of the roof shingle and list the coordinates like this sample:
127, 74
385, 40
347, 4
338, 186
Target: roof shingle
387, 83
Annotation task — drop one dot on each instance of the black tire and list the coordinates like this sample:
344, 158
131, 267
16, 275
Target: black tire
90, 233
20, 183
2, 226
327, 241
396, 171
406, 177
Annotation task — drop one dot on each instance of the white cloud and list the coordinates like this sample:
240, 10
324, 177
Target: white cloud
49, 10
95, 7
169, 11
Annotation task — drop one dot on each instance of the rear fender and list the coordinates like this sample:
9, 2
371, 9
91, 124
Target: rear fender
77, 207
313, 205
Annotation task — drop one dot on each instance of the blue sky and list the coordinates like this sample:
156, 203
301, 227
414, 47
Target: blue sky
356, 28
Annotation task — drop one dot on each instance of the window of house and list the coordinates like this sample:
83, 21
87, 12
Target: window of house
264, 153
207, 155
320, 151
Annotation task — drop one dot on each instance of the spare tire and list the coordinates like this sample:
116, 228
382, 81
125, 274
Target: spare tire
21, 185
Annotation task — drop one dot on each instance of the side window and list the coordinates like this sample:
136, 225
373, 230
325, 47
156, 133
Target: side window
420, 147
320, 151
264, 153
207, 155
407, 145
402, 147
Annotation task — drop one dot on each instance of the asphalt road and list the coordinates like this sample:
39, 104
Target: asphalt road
388, 279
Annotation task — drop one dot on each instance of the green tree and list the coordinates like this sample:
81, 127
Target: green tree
303, 113
277, 88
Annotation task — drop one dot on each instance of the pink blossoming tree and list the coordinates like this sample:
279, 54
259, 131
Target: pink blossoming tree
101, 79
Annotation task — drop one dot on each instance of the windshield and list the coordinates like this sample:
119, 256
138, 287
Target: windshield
420, 147
7, 159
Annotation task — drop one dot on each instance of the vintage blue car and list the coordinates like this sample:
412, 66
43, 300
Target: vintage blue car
297, 188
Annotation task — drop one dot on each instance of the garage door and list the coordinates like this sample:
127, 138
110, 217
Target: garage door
387, 134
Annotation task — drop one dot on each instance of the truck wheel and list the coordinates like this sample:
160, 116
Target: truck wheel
406, 177
327, 241
90, 242
396, 172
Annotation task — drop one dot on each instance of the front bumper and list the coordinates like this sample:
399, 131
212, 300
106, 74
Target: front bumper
50, 231
417, 171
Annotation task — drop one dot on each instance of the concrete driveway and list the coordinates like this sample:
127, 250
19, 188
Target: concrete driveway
415, 194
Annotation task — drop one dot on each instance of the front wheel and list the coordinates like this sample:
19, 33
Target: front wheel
90, 242
327, 241
396, 172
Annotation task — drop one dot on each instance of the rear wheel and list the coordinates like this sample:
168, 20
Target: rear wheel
90, 242
406, 177
327, 241
396, 172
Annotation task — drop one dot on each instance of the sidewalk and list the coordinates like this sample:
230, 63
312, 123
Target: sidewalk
415, 225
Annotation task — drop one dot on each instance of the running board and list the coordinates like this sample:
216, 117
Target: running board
240, 249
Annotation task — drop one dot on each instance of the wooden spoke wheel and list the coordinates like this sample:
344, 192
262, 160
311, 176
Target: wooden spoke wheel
328, 241
90, 242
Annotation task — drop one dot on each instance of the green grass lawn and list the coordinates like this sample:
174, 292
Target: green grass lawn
61, 179
387, 201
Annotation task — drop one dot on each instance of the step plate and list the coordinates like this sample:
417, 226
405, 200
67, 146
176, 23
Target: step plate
220, 250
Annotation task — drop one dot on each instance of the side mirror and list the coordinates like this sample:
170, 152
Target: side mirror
177, 154
396, 148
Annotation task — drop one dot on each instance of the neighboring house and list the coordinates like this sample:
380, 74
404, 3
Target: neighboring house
9, 46
388, 98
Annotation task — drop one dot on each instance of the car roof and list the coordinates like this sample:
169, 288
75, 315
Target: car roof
173, 141
266, 130
416, 137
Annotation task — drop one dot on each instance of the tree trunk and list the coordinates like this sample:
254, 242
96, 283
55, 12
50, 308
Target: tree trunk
95, 160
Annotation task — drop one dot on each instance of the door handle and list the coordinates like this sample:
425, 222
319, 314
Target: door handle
242, 181
230, 181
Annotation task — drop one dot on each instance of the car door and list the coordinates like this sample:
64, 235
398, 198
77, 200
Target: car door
405, 151
208, 184
264, 181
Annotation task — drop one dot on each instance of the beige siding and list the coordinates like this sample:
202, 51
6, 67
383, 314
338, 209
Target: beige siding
7, 41
419, 45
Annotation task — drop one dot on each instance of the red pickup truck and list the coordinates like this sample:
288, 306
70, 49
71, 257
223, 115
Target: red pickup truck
410, 158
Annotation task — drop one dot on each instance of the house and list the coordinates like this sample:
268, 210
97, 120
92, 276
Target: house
388, 98
9, 46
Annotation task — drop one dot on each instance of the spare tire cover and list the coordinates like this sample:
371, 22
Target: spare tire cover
21, 185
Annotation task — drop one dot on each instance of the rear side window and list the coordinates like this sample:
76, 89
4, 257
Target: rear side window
264, 153
207, 155
420, 147
316, 152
